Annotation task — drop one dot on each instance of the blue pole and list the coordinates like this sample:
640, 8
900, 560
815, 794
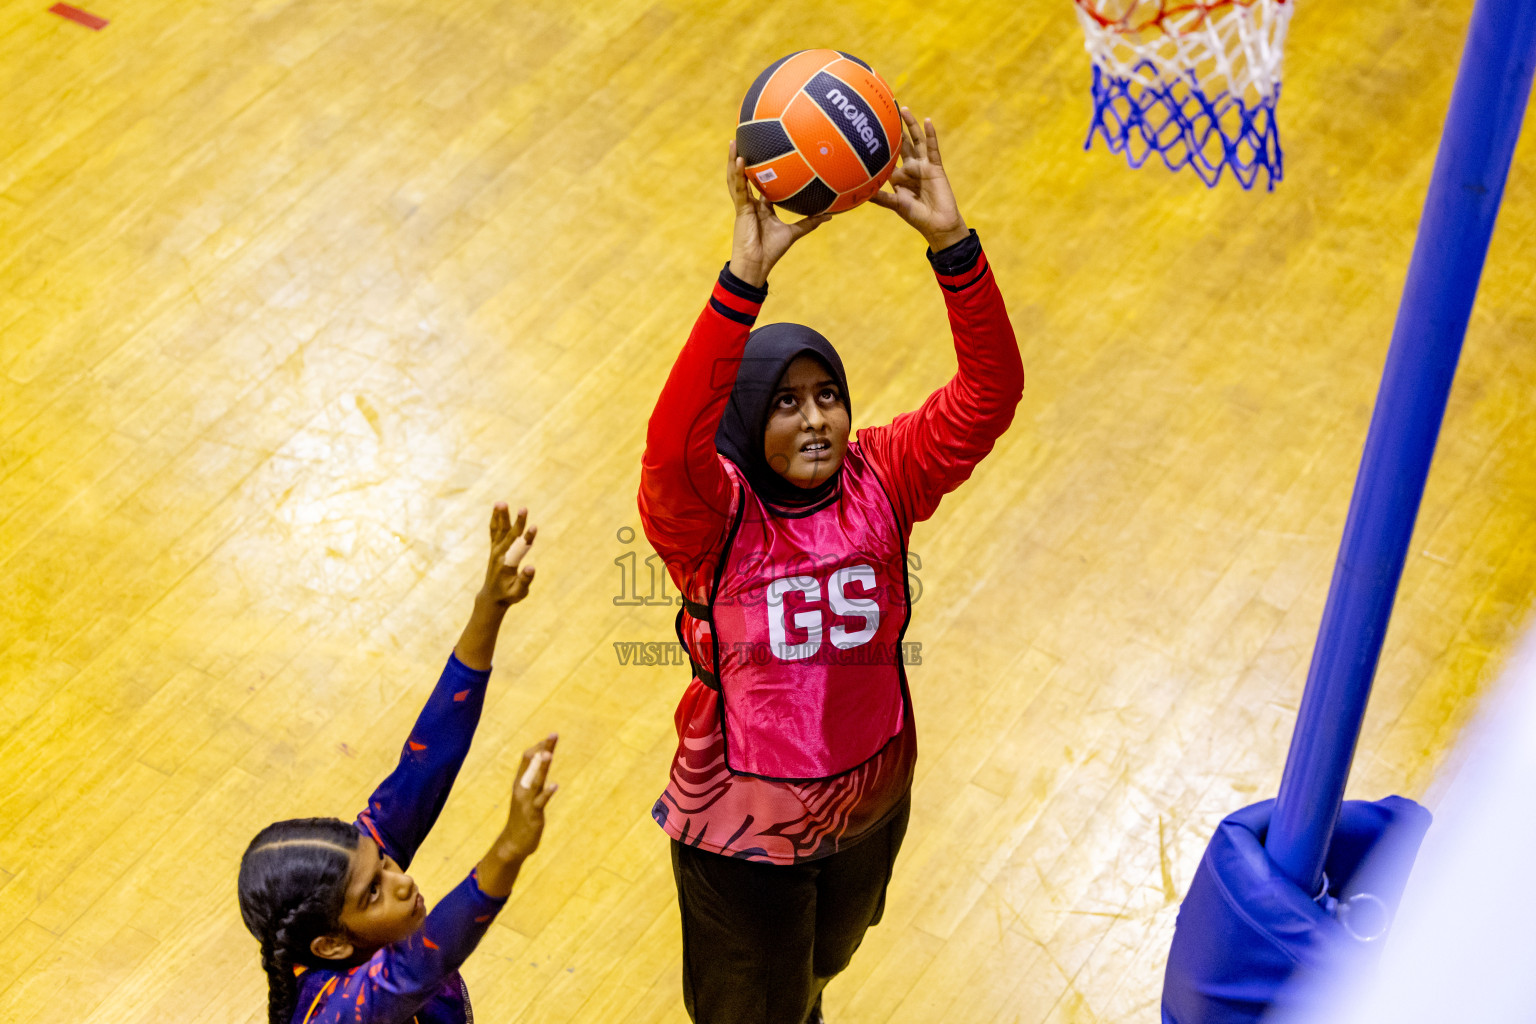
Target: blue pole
1487, 106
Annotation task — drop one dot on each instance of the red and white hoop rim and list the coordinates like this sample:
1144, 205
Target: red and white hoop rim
1180, 16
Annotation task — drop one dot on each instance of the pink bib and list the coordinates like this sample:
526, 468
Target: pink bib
807, 616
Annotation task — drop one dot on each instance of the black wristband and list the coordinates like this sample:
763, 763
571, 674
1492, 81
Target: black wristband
736, 286
958, 258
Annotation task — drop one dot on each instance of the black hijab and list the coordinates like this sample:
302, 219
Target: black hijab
739, 437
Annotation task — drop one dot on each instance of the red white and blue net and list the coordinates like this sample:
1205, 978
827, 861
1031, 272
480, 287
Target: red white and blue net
1195, 82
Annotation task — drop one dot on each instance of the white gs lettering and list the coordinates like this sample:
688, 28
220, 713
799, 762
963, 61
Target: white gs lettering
808, 620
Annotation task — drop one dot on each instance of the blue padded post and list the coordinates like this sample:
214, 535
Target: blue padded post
1487, 106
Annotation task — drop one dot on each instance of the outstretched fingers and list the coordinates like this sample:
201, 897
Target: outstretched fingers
931, 141
505, 532
525, 768
519, 543
913, 140
533, 771
501, 522
503, 529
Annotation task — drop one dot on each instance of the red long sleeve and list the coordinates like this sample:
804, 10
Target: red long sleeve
923, 455
685, 495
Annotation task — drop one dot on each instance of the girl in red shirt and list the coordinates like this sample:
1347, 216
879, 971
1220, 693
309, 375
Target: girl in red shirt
790, 788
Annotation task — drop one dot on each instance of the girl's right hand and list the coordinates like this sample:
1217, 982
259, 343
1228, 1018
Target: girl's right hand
509, 574
920, 192
760, 238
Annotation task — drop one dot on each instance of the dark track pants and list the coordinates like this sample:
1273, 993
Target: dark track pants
760, 941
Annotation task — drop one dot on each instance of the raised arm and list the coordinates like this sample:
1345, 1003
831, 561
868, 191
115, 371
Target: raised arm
399, 978
685, 495
406, 804
925, 454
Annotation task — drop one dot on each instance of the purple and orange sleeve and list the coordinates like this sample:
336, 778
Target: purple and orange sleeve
404, 807
400, 978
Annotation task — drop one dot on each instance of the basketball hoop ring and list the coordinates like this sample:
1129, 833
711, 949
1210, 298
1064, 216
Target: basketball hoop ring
1193, 81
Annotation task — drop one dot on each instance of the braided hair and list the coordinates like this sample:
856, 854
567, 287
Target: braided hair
293, 882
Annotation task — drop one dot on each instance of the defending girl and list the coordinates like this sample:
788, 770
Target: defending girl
345, 934
790, 788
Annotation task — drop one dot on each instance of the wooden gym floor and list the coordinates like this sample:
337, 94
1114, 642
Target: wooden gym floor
291, 292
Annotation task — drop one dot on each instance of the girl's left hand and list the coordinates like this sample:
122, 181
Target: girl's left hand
509, 574
531, 791
920, 192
